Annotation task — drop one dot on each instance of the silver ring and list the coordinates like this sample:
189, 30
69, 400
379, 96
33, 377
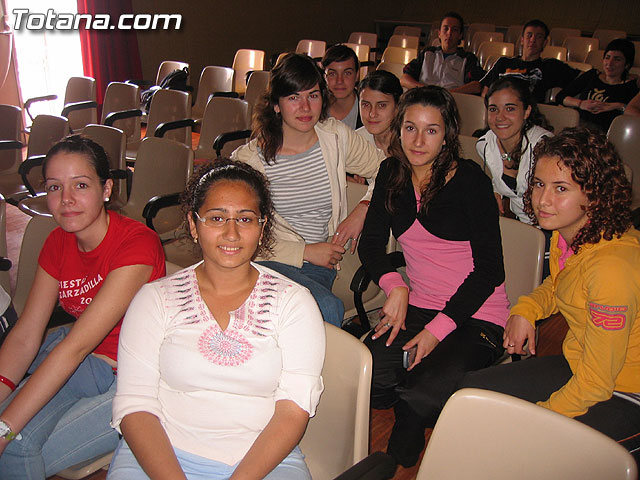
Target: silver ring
511, 345
387, 324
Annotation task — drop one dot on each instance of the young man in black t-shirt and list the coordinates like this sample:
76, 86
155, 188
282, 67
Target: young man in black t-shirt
541, 73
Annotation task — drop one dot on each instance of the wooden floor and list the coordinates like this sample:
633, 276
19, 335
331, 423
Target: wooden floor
551, 334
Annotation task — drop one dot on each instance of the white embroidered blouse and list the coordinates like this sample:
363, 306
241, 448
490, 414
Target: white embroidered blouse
213, 390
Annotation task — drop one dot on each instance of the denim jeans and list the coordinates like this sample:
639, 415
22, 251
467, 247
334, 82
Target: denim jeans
124, 466
71, 428
319, 281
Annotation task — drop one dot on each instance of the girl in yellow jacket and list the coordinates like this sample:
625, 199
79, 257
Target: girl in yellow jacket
579, 190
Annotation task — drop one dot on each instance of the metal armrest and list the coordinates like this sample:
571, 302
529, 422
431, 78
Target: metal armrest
166, 126
635, 217
5, 264
223, 138
70, 107
360, 283
368, 63
377, 466
157, 203
44, 98
225, 94
143, 84
10, 145
122, 115
247, 75
119, 174
26, 166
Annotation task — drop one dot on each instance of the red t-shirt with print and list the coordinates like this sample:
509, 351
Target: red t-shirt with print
80, 275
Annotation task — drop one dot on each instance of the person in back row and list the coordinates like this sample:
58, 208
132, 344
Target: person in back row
379, 95
600, 97
341, 69
516, 126
305, 156
541, 73
448, 66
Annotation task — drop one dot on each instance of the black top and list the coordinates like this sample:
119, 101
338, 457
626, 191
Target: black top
588, 86
464, 209
542, 74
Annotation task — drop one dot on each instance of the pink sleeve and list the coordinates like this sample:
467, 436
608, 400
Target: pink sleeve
441, 326
391, 280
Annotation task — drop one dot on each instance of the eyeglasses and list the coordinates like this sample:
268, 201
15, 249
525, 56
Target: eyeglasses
247, 220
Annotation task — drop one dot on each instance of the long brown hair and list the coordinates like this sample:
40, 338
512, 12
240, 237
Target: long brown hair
445, 161
596, 167
294, 73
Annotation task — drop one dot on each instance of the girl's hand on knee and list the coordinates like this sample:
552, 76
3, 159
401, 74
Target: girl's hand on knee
350, 228
425, 342
392, 314
324, 254
518, 332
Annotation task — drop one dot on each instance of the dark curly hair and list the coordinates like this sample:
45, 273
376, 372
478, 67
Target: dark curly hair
596, 167
294, 73
447, 159
224, 169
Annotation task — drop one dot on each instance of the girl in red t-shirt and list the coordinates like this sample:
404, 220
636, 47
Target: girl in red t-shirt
93, 264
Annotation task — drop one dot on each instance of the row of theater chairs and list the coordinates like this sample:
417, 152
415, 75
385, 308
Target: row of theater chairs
477, 33
172, 115
164, 167
80, 106
229, 80
21, 179
580, 52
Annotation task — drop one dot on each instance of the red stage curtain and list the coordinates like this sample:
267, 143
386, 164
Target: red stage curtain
109, 55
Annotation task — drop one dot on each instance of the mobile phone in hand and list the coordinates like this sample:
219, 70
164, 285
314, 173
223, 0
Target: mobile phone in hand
409, 356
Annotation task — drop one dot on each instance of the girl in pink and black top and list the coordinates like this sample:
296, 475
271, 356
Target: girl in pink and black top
442, 211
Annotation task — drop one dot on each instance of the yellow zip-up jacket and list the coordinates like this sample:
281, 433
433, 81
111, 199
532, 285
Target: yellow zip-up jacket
598, 293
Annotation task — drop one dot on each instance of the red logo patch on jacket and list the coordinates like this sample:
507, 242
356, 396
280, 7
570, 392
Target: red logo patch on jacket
607, 316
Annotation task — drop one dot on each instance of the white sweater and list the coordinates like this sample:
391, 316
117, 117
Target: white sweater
214, 391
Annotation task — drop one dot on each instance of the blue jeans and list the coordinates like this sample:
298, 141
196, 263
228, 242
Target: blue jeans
71, 428
319, 281
124, 466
